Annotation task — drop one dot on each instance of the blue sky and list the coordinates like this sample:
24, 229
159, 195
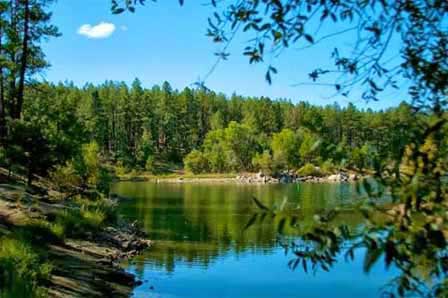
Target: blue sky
164, 41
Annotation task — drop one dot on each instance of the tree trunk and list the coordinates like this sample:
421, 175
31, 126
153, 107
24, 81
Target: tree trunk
24, 61
2, 95
12, 72
30, 176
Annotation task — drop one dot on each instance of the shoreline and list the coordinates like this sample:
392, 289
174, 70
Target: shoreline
242, 178
89, 265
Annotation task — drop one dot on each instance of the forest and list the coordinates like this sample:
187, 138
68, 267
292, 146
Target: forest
160, 128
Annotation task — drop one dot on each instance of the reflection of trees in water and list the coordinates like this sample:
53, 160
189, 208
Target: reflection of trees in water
197, 224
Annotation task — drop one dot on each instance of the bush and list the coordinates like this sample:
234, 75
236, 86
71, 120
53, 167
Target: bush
196, 162
104, 181
87, 165
89, 216
29, 148
21, 269
309, 170
327, 167
120, 169
65, 177
3, 158
263, 162
150, 164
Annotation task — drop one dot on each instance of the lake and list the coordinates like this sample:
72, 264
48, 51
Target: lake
203, 247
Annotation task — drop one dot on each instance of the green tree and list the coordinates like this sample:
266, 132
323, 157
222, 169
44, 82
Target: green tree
23, 27
29, 148
285, 146
310, 146
240, 140
263, 162
196, 163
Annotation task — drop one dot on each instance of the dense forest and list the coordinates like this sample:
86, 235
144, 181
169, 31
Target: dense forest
158, 128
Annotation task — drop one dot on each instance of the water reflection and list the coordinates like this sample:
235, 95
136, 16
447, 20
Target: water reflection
199, 228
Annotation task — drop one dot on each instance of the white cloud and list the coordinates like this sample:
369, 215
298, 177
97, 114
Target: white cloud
102, 30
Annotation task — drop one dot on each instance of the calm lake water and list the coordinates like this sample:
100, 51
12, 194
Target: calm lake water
203, 250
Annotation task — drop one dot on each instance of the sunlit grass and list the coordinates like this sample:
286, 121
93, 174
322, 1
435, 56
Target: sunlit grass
21, 269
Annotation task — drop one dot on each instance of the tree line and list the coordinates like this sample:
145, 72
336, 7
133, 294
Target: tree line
158, 128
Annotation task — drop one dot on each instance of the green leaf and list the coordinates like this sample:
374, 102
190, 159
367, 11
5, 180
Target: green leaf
372, 256
260, 204
309, 38
250, 222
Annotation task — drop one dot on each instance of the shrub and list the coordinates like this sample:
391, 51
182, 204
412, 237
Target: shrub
263, 162
93, 217
82, 216
309, 170
327, 167
65, 177
150, 164
87, 165
104, 181
120, 169
196, 162
3, 158
20, 262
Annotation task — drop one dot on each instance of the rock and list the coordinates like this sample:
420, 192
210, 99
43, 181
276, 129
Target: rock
353, 177
335, 177
284, 179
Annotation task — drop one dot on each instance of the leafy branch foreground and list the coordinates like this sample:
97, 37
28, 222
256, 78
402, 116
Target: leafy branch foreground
408, 230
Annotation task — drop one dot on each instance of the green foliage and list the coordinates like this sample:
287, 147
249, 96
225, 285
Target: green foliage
310, 145
120, 169
29, 148
21, 268
150, 164
284, 147
361, 157
239, 139
411, 161
104, 180
309, 170
89, 164
118, 118
196, 162
65, 177
263, 162
327, 167
215, 151
145, 151
84, 216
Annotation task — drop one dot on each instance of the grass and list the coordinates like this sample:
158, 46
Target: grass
22, 268
84, 216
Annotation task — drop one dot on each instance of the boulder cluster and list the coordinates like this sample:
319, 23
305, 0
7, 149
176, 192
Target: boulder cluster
293, 177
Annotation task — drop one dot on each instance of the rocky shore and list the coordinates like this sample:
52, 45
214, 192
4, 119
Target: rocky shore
293, 177
91, 267
87, 266
251, 178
